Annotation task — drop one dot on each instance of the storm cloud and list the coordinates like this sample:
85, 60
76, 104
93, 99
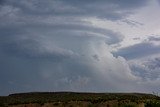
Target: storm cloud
50, 45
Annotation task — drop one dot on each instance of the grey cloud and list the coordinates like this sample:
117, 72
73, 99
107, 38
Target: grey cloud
148, 68
48, 55
46, 41
138, 50
136, 38
78, 73
110, 9
30, 46
132, 23
41, 34
158, 1
96, 57
154, 38
113, 9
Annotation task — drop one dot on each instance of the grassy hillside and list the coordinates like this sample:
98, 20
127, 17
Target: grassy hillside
63, 98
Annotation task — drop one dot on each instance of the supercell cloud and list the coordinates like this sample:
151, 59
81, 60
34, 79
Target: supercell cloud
62, 45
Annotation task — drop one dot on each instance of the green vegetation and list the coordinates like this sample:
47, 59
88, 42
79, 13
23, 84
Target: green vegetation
129, 105
153, 103
92, 99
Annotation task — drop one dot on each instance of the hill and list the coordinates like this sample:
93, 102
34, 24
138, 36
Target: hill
73, 99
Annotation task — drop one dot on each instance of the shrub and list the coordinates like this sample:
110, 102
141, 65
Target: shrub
2, 104
152, 104
129, 105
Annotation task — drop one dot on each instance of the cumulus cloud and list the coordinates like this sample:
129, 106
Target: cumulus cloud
90, 74
147, 69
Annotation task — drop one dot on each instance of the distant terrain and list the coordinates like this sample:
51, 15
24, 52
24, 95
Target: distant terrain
73, 99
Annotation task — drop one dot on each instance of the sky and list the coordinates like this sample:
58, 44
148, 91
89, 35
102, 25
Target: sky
79, 45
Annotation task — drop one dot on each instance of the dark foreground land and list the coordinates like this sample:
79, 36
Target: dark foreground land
72, 99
